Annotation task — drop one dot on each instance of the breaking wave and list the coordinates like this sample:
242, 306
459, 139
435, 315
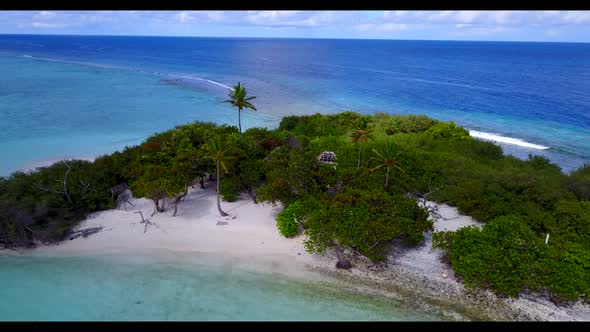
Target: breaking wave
506, 140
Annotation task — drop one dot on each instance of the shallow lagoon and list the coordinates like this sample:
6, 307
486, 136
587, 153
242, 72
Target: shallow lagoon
175, 287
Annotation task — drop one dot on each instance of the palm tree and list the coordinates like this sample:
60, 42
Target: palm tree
360, 134
387, 158
218, 153
239, 99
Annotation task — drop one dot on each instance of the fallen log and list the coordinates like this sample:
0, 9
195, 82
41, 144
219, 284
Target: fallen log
85, 232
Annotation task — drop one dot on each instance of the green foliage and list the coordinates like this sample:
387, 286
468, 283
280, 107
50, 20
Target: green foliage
239, 98
290, 174
506, 256
230, 189
287, 219
579, 182
448, 131
366, 221
498, 256
392, 124
522, 200
570, 222
44, 204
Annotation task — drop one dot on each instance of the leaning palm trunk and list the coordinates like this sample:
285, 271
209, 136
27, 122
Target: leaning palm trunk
223, 214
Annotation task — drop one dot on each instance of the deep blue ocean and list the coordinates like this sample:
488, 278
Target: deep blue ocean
81, 96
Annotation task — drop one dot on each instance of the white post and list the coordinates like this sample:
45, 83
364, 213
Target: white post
547, 238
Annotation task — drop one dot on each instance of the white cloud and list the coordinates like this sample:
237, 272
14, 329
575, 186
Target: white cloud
478, 31
372, 23
216, 16
44, 25
384, 27
42, 15
576, 17
184, 17
392, 27
290, 18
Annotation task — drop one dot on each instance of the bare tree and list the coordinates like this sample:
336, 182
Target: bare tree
64, 192
423, 200
146, 222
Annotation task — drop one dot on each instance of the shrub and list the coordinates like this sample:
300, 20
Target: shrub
579, 182
498, 256
448, 131
286, 219
229, 189
364, 220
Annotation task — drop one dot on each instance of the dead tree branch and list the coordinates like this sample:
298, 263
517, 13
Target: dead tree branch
85, 232
146, 222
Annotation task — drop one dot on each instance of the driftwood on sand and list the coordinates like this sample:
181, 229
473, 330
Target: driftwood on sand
84, 232
146, 222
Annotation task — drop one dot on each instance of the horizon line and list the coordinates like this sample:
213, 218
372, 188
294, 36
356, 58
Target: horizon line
303, 38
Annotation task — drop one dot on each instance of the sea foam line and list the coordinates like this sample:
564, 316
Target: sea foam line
507, 140
96, 65
203, 79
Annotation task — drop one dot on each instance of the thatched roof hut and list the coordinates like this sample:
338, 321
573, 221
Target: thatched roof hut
327, 157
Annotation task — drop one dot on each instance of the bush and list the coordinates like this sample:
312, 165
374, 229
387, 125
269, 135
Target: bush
499, 255
286, 219
579, 182
448, 131
563, 271
229, 189
364, 220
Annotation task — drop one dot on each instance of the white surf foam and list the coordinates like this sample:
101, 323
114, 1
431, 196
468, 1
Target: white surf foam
203, 79
506, 140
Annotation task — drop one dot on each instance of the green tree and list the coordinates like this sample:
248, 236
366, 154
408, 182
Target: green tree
387, 157
158, 183
239, 99
499, 255
448, 131
360, 134
364, 220
220, 154
182, 166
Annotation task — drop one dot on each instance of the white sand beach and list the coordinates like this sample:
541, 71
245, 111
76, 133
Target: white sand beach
250, 233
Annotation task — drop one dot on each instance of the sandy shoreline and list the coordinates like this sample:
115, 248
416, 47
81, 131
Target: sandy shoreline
249, 233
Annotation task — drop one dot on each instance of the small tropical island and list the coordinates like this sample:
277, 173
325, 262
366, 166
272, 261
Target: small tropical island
410, 203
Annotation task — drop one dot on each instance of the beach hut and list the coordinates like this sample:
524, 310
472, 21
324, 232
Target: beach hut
327, 157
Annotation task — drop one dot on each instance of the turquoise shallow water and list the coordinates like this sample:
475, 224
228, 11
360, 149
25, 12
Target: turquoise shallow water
65, 96
178, 288
51, 111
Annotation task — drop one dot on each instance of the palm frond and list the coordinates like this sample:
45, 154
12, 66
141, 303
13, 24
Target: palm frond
377, 167
222, 164
379, 154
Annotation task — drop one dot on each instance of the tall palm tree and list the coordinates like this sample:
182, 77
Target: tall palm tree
387, 158
218, 153
239, 99
360, 134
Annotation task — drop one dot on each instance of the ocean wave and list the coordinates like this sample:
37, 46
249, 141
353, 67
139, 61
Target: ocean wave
506, 140
112, 67
201, 79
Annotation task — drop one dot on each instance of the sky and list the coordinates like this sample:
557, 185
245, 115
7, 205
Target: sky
554, 26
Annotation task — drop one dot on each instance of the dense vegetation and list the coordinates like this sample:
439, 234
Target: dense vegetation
361, 202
